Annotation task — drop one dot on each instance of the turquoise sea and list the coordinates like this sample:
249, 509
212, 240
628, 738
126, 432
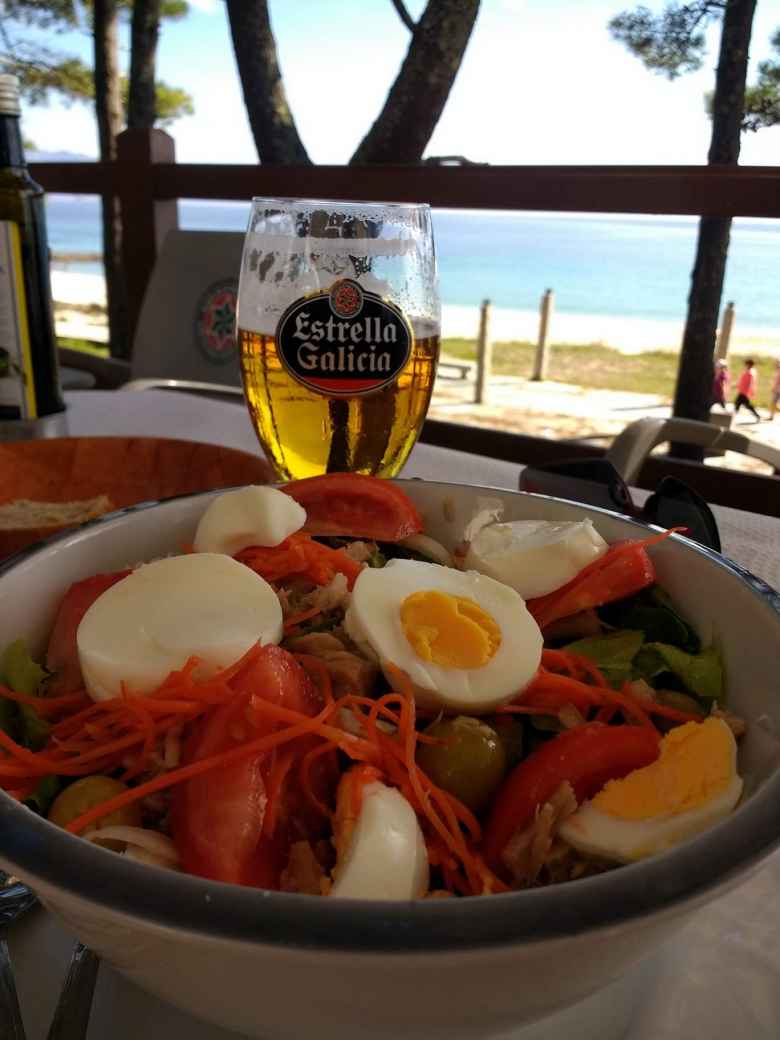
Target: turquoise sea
623, 266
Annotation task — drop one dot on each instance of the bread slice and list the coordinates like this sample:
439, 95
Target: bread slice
23, 521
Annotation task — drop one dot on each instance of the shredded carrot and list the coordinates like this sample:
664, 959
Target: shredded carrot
202, 765
294, 620
45, 705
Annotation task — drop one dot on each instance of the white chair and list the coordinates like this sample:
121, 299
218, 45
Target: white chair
185, 337
632, 446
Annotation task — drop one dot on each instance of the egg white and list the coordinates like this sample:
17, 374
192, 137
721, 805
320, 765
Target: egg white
254, 515
150, 623
373, 621
535, 557
386, 856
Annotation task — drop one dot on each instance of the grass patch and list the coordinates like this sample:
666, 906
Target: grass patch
87, 346
603, 368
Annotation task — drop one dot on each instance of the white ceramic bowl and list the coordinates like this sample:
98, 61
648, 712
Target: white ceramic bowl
277, 965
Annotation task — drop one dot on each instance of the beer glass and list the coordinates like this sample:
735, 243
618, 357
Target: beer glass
338, 327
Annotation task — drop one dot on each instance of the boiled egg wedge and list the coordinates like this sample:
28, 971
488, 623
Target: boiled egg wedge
466, 641
535, 556
690, 786
381, 850
252, 515
149, 624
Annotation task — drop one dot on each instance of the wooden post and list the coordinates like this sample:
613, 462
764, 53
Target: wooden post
545, 312
484, 353
146, 219
724, 336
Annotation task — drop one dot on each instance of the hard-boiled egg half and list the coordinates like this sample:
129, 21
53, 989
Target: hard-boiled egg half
381, 850
149, 624
466, 641
254, 515
691, 785
535, 556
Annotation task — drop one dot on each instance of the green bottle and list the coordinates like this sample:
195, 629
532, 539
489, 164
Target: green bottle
31, 403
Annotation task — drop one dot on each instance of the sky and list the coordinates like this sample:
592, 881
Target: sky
542, 82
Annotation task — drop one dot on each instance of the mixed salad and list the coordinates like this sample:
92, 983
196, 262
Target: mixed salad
317, 697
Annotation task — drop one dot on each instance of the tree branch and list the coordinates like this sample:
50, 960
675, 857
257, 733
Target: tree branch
418, 96
404, 15
273, 127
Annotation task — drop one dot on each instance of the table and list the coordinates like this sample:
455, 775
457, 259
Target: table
718, 977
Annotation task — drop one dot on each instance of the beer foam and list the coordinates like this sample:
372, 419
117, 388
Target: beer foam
287, 246
276, 271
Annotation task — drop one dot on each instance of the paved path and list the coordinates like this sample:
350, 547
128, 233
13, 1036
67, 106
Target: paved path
560, 410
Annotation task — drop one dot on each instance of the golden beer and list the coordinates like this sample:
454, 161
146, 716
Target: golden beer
306, 432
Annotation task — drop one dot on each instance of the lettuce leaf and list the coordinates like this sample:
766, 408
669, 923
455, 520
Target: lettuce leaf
613, 653
21, 674
44, 794
652, 612
701, 674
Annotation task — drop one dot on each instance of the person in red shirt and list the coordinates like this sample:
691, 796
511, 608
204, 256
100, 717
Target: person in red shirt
720, 384
747, 386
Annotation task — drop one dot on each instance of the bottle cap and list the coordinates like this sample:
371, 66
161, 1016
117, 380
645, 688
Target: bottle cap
9, 95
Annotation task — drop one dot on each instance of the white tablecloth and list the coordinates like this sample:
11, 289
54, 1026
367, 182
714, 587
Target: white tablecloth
720, 977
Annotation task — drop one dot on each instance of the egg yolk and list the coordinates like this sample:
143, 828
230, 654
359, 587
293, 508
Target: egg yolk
450, 631
695, 764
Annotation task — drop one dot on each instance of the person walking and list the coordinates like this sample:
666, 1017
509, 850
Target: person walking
775, 391
720, 384
747, 386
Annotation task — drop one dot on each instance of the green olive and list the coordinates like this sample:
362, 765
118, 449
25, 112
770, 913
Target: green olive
470, 762
88, 792
509, 730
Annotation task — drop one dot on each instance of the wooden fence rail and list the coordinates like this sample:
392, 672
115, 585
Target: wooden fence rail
148, 181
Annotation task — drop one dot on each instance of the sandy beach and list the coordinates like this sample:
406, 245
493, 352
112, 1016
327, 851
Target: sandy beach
73, 290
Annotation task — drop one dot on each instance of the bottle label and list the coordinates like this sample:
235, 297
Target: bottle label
344, 341
17, 390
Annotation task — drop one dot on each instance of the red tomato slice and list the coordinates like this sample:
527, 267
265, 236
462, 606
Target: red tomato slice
355, 506
622, 571
217, 818
62, 655
586, 756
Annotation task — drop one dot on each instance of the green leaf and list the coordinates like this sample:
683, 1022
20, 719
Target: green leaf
19, 671
613, 653
652, 612
701, 674
44, 794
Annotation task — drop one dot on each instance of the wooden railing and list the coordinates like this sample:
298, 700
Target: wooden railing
148, 181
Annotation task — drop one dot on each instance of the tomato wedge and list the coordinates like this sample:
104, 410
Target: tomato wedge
62, 656
355, 506
586, 757
622, 571
217, 818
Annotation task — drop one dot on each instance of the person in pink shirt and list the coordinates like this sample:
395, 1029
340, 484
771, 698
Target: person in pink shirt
720, 384
775, 391
747, 387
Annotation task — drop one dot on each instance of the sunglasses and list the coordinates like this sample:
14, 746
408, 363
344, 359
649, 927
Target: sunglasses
596, 482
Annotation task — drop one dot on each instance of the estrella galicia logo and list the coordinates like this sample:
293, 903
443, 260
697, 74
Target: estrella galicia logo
344, 340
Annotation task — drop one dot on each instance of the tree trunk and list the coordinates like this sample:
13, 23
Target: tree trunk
142, 98
108, 109
418, 96
273, 127
693, 395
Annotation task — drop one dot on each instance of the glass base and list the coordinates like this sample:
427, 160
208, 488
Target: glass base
55, 425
